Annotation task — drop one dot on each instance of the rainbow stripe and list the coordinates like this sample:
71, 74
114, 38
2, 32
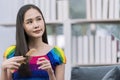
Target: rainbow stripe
55, 56
59, 52
9, 52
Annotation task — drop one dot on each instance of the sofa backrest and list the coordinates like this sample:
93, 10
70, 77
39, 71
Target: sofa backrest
90, 72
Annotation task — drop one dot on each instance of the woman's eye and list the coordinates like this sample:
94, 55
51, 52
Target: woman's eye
29, 22
38, 19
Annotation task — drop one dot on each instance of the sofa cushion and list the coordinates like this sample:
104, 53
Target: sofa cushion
113, 74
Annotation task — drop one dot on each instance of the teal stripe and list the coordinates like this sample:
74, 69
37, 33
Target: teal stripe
11, 53
58, 54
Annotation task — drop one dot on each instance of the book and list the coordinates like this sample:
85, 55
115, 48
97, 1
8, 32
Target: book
62, 10
93, 14
111, 9
114, 51
85, 50
59, 10
88, 9
91, 49
53, 11
117, 9
74, 50
98, 9
105, 9
80, 50
97, 50
102, 50
108, 49
42, 7
47, 8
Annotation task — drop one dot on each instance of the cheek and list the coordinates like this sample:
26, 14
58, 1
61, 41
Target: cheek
27, 30
43, 26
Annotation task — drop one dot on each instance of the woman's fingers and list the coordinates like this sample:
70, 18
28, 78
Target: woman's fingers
13, 65
16, 64
45, 66
13, 62
44, 63
18, 58
42, 59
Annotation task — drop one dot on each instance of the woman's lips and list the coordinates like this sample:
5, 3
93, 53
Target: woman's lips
37, 31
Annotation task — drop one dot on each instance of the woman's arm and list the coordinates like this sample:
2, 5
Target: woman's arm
60, 72
5, 73
51, 75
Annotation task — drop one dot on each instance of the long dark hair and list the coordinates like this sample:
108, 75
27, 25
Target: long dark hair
22, 38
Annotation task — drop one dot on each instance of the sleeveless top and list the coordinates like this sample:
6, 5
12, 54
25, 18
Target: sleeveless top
55, 56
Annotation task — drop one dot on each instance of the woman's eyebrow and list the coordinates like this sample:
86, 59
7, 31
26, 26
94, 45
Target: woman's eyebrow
39, 17
31, 18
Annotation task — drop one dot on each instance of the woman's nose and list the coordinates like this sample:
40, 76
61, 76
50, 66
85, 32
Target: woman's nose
35, 24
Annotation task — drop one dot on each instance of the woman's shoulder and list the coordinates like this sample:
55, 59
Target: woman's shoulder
9, 52
58, 50
58, 54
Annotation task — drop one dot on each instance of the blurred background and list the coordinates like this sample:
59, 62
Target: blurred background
87, 30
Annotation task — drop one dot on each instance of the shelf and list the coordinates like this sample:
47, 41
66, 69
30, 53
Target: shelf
72, 21
7, 24
57, 22
47, 22
83, 21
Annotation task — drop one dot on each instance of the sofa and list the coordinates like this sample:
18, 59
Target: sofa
96, 72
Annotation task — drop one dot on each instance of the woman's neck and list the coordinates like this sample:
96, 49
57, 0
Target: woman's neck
36, 43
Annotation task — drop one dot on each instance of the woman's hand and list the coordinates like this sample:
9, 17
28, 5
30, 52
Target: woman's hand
12, 63
44, 64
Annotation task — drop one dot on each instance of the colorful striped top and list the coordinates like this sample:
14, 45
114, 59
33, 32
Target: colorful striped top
55, 56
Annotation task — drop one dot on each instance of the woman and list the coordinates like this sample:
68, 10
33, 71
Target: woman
45, 63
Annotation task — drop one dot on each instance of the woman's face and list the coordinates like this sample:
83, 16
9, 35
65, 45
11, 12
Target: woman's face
33, 23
